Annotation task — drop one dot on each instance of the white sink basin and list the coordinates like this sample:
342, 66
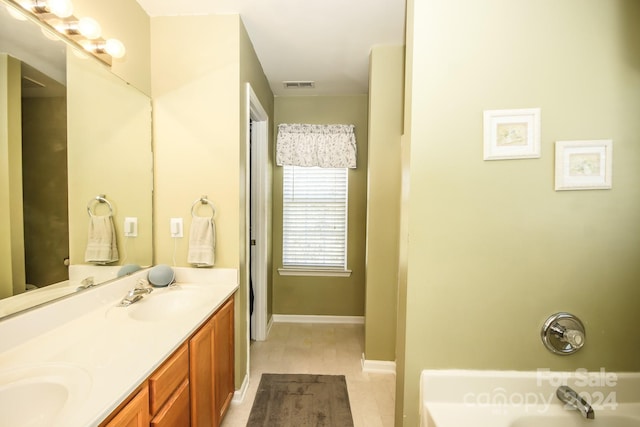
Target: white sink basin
165, 304
576, 420
41, 395
168, 304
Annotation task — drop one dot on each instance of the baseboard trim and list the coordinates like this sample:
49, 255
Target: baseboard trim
295, 318
269, 325
378, 366
238, 395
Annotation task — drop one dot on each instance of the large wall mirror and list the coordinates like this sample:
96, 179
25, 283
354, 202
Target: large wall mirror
75, 148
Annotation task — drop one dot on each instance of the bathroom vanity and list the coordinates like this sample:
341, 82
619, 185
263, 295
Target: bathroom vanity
194, 386
165, 360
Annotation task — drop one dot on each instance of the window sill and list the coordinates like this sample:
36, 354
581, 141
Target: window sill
307, 271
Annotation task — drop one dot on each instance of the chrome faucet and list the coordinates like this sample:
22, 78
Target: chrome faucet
142, 288
573, 400
87, 282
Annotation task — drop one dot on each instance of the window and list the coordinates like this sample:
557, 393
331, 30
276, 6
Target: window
315, 218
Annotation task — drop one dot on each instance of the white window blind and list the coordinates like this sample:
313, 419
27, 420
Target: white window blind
315, 217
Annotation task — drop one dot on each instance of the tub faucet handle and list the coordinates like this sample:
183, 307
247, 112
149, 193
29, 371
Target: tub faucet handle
563, 333
574, 337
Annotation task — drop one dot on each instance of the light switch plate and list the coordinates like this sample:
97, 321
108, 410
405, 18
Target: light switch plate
130, 226
176, 227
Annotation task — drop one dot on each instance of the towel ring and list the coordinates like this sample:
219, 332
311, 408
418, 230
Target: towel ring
101, 198
203, 200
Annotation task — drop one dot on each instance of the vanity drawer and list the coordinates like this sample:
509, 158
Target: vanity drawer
168, 378
176, 412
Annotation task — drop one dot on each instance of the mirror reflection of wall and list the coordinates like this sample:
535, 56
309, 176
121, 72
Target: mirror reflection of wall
44, 178
109, 153
69, 131
33, 188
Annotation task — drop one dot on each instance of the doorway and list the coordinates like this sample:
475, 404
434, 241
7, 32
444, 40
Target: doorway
258, 216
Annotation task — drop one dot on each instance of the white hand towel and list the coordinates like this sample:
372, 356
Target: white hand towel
102, 247
202, 242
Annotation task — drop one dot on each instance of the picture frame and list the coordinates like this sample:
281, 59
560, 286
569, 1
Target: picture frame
584, 165
512, 134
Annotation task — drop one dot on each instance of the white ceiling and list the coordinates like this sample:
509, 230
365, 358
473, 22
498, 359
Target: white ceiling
326, 41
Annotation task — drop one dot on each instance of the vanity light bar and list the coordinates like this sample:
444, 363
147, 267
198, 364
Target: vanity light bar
112, 47
86, 27
83, 32
60, 8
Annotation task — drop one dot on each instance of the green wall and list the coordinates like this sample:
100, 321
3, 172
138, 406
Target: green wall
45, 189
250, 72
338, 296
386, 78
493, 249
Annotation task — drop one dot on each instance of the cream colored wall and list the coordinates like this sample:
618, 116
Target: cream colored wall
12, 275
494, 249
195, 88
386, 85
196, 104
109, 152
325, 295
126, 21
201, 65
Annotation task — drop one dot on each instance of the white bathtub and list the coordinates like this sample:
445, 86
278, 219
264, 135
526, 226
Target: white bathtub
457, 398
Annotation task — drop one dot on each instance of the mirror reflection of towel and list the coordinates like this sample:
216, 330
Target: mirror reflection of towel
101, 243
202, 242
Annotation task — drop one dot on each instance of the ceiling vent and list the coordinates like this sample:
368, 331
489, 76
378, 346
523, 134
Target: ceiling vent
299, 85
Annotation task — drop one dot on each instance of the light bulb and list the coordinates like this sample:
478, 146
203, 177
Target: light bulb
115, 48
27, 5
89, 28
58, 24
60, 8
87, 45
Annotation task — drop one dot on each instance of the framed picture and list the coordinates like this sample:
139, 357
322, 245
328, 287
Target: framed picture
512, 134
584, 165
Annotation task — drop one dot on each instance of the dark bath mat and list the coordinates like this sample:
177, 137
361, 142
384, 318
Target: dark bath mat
301, 400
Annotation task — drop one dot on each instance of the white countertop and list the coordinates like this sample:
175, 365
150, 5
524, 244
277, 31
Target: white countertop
109, 353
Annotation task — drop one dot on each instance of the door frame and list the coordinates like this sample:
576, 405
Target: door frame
260, 193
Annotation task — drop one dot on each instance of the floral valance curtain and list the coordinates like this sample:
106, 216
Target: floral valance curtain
326, 146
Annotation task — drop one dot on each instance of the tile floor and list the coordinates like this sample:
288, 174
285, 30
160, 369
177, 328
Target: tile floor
320, 349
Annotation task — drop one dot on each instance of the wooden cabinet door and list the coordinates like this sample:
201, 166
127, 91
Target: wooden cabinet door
223, 358
176, 412
167, 378
135, 413
201, 377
